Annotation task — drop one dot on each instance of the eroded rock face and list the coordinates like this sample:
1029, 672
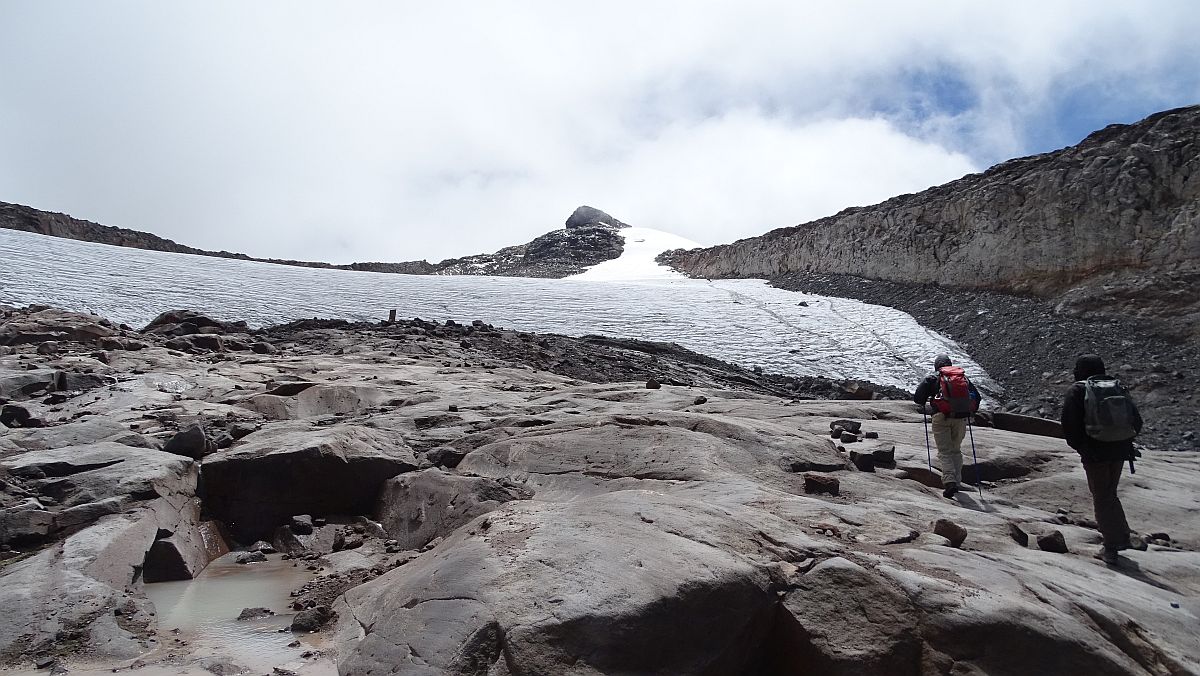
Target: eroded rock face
88, 482
418, 507
611, 603
1110, 225
288, 469
106, 506
54, 325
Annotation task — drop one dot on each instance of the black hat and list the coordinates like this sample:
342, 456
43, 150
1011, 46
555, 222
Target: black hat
1088, 365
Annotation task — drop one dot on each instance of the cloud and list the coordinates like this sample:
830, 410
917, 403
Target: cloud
393, 131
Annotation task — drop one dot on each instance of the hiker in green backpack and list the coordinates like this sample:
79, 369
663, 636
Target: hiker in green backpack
1100, 421
954, 399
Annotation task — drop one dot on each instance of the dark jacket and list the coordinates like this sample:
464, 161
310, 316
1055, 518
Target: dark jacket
1074, 426
928, 389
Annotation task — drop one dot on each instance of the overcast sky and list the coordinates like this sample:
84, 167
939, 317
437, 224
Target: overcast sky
346, 131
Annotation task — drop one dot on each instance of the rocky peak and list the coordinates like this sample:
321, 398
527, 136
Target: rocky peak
586, 217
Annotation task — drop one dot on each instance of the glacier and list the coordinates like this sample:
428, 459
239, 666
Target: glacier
743, 321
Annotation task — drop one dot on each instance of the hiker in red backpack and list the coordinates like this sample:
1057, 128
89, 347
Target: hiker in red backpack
953, 398
1100, 421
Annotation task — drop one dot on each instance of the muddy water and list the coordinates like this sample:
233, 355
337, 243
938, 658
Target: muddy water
205, 610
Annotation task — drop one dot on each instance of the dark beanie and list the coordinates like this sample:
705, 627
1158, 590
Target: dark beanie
941, 360
1088, 365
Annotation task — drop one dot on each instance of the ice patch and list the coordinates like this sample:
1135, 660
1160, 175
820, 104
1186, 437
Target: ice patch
637, 262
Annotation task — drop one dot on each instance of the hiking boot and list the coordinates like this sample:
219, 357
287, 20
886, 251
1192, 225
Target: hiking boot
1108, 556
950, 490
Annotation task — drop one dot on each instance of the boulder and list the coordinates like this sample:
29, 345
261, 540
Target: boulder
820, 483
12, 415
415, 508
1052, 542
884, 454
508, 598
210, 342
1018, 535
653, 384
864, 461
263, 348
255, 613
290, 469
53, 325
186, 322
843, 619
301, 524
190, 442
445, 456
953, 532
312, 619
851, 426
185, 553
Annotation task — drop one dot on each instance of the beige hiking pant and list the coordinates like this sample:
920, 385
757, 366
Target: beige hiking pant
948, 434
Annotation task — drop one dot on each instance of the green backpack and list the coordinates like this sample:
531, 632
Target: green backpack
1108, 410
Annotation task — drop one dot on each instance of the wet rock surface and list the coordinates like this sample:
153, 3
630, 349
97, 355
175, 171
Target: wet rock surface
590, 525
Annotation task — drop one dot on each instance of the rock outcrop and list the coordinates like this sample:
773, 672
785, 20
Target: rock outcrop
258, 484
1109, 226
590, 526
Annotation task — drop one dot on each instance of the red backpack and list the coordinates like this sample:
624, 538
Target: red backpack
954, 398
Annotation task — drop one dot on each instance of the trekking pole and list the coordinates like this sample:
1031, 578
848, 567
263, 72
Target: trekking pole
978, 472
928, 455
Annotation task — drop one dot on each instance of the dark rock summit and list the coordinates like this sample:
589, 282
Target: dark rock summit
587, 217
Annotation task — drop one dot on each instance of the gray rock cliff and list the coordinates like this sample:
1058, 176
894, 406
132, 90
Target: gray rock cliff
1111, 225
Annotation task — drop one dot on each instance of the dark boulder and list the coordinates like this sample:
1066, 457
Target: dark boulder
864, 461
1052, 542
254, 613
445, 456
185, 322
190, 442
821, 483
312, 619
12, 415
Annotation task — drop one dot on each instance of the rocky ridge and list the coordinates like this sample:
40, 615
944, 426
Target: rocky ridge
1108, 227
516, 518
590, 237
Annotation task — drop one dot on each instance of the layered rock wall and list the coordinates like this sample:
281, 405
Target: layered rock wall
1109, 225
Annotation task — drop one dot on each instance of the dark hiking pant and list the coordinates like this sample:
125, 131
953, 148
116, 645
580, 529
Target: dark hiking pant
1102, 478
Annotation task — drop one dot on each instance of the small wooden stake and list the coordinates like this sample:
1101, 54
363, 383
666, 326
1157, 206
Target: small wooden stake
392, 317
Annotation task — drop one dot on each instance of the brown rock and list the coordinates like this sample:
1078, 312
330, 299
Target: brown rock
820, 483
953, 532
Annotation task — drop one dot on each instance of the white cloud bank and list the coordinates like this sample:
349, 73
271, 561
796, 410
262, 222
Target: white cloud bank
393, 131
